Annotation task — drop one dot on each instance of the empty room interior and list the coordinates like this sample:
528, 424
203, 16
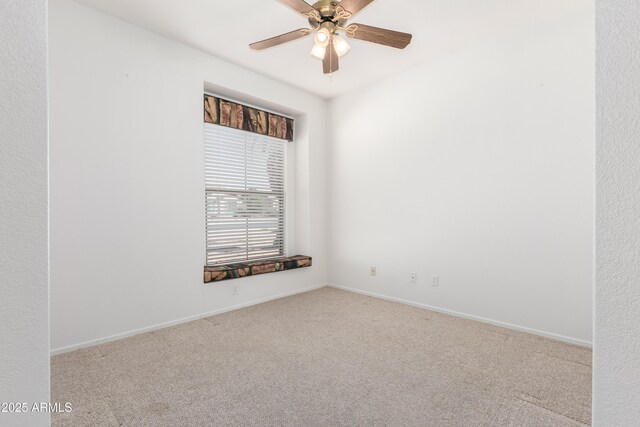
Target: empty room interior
345, 213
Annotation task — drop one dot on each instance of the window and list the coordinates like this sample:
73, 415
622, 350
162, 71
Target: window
245, 195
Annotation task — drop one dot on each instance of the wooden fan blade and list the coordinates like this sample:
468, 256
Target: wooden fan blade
355, 6
282, 38
299, 6
379, 35
330, 63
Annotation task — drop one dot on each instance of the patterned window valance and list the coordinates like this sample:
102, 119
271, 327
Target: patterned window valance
226, 113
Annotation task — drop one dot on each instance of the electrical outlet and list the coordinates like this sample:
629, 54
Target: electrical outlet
413, 277
234, 290
435, 280
373, 271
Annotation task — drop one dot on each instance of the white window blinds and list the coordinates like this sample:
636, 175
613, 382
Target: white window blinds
245, 195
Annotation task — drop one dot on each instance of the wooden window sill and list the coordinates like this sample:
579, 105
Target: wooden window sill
235, 271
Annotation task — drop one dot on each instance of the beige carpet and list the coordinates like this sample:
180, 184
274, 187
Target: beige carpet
326, 358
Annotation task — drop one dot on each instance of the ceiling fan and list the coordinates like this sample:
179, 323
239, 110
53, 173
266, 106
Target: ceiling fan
327, 19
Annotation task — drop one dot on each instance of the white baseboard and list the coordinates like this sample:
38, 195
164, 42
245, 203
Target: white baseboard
163, 325
127, 334
574, 341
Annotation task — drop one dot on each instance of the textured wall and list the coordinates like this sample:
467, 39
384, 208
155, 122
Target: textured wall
617, 326
477, 168
24, 264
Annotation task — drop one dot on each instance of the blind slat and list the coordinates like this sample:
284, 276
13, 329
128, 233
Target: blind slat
244, 196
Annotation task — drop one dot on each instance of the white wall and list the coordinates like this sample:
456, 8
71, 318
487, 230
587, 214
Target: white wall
127, 179
24, 263
477, 168
487, 182
617, 306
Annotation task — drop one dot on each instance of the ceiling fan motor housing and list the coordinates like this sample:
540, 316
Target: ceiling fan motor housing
327, 10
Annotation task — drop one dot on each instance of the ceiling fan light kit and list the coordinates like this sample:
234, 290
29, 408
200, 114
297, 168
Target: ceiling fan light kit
341, 45
327, 19
318, 51
323, 35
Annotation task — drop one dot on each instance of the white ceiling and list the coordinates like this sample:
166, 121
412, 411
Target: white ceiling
439, 28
